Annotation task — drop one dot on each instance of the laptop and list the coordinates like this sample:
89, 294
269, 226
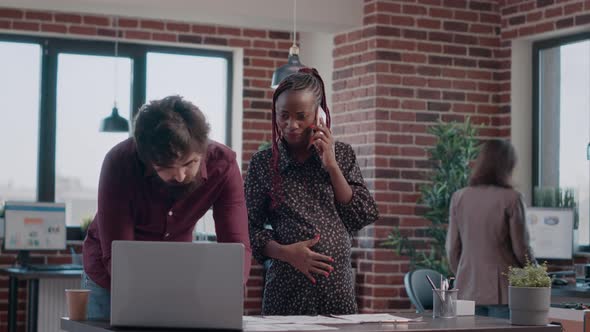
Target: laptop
177, 284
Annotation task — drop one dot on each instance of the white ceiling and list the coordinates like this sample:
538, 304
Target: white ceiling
328, 16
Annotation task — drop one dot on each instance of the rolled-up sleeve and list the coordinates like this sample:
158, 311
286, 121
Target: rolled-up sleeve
258, 203
230, 215
362, 208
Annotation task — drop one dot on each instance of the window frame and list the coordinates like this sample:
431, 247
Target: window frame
539, 46
51, 48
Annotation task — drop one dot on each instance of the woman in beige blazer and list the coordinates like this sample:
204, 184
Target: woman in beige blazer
487, 231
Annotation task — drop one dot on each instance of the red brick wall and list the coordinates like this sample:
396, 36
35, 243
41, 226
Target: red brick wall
529, 19
411, 64
264, 50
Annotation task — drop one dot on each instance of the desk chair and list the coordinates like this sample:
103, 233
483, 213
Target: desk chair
419, 290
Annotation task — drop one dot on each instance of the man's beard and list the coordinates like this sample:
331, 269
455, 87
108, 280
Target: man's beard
180, 190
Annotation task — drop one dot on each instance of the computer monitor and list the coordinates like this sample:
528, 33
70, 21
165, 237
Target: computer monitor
551, 232
34, 226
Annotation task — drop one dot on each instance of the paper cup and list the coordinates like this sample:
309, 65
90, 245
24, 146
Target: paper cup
77, 303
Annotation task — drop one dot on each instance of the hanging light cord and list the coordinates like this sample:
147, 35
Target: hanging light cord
115, 80
294, 22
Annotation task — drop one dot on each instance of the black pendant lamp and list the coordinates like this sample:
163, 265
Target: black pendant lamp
293, 64
115, 123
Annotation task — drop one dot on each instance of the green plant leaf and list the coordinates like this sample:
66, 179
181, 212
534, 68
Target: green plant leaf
531, 275
456, 146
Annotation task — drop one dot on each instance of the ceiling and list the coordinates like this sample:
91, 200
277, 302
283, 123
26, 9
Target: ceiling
328, 16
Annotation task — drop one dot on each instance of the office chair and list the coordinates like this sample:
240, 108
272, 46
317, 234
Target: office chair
419, 290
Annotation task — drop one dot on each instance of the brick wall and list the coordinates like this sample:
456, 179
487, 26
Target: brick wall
529, 19
411, 64
264, 50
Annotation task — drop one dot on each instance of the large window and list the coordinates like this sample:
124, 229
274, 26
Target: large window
53, 149
562, 122
20, 85
196, 78
85, 96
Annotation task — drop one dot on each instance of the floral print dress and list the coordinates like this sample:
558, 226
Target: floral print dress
307, 207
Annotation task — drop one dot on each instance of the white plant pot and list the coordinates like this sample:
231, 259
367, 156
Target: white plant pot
529, 305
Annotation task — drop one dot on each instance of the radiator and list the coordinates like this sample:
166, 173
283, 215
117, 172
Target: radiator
52, 303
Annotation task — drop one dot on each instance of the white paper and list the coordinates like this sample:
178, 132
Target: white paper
309, 320
374, 318
310, 323
258, 320
287, 327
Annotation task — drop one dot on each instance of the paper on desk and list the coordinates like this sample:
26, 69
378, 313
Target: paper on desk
286, 327
258, 320
308, 320
295, 320
374, 318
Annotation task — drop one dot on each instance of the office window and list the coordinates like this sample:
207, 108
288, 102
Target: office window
58, 91
563, 121
85, 95
199, 79
19, 128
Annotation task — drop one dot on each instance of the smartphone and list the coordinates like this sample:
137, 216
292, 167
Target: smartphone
321, 115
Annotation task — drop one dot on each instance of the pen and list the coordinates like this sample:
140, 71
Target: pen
434, 288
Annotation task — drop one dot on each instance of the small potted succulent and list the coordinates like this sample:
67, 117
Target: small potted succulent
84, 224
529, 294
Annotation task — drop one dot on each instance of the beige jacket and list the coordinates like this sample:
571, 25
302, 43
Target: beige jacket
486, 234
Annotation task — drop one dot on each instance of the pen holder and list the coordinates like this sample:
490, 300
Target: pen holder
444, 303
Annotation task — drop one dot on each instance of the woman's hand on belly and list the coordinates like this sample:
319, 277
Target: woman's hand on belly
303, 258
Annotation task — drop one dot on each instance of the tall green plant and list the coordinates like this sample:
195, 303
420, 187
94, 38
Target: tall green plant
455, 148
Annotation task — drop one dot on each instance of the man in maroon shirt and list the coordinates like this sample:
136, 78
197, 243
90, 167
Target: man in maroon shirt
156, 185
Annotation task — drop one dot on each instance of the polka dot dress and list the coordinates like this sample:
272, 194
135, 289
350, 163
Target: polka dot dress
308, 207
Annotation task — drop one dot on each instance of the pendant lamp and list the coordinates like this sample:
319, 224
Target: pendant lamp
115, 123
293, 63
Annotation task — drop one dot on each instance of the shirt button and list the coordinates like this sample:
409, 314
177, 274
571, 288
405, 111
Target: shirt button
170, 213
167, 235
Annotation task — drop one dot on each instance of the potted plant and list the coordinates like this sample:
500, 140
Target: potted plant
84, 224
529, 294
456, 146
